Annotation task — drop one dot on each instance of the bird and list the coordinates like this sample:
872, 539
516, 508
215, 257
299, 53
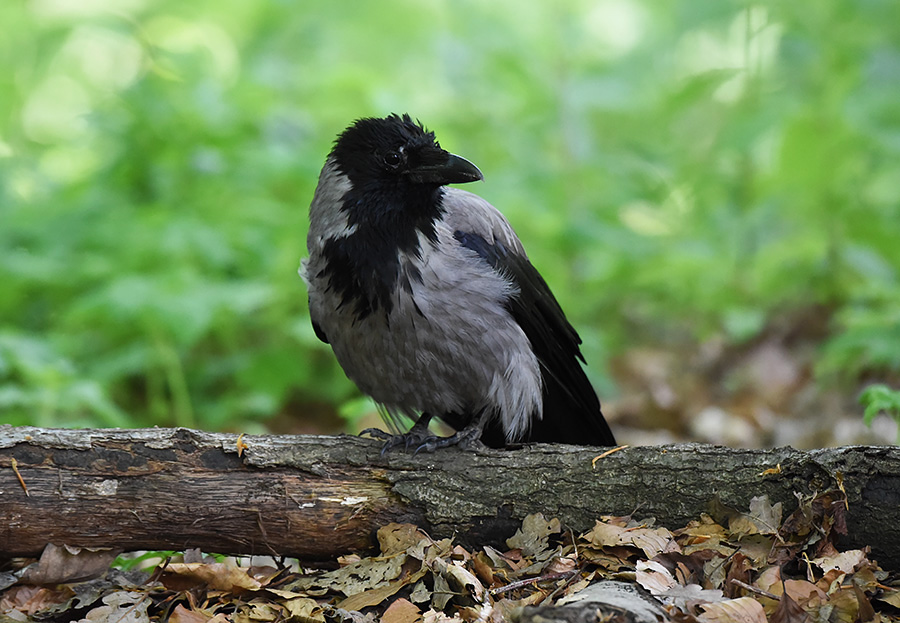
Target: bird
430, 303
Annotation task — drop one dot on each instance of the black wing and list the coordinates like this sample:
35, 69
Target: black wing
571, 407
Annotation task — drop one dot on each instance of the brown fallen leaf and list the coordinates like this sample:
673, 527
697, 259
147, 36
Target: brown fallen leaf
461, 580
504, 560
831, 581
533, 537
258, 611
866, 611
30, 600
739, 569
484, 571
436, 616
654, 577
891, 597
651, 541
561, 564
60, 564
377, 595
740, 610
397, 538
763, 518
769, 580
217, 576
182, 615
845, 607
802, 591
401, 611
304, 609
845, 562
789, 611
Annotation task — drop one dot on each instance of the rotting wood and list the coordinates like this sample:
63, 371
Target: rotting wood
316, 497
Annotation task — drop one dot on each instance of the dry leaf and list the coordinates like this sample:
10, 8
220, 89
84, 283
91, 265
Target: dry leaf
182, 615
684, 597
532, 538
33, 599
766, 515
802, 591
216, 576
831, 581
483, 570
304, 609
651, 541
375, 596
739, 569
420, 593
123, 607
763, 518
770, 580
62, 564
561, 564
866, 611
442, 593
397, 538
789, 611
740, 610
401, 611
435, 616
368, 573
261, 611
845, 562
654, 577
461, 580
891, 597
846, 606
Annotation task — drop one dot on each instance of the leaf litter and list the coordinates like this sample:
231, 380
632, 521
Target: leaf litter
727, 566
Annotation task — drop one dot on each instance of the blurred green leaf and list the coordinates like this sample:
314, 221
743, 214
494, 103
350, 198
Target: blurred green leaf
879, 399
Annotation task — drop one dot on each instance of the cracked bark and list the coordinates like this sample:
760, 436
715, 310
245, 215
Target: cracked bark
317, 497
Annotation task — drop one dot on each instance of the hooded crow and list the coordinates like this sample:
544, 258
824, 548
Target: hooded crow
430, 304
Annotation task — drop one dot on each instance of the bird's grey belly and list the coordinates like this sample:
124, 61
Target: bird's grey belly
438, 362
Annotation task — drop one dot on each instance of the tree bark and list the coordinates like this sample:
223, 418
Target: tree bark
317, 497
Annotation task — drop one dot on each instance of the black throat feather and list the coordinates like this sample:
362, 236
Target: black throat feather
363, 267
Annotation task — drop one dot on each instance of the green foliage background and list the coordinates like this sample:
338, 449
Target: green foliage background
677, 169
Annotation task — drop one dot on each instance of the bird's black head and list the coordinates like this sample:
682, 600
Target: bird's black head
397, 151
396, 171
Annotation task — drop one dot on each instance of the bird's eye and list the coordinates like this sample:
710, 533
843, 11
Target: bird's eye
393, 159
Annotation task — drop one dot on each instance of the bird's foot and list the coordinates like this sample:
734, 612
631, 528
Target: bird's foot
418, 435
423, 440
468, 438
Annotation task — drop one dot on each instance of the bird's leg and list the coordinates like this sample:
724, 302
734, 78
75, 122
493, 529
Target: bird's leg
415, 437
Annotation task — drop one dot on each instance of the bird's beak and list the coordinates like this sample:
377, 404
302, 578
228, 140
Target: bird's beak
445, 168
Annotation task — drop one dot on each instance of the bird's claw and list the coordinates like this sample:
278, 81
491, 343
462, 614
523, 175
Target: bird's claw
415, 438
423, 440
467, 438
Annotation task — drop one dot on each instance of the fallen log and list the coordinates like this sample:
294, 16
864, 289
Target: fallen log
317, 497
